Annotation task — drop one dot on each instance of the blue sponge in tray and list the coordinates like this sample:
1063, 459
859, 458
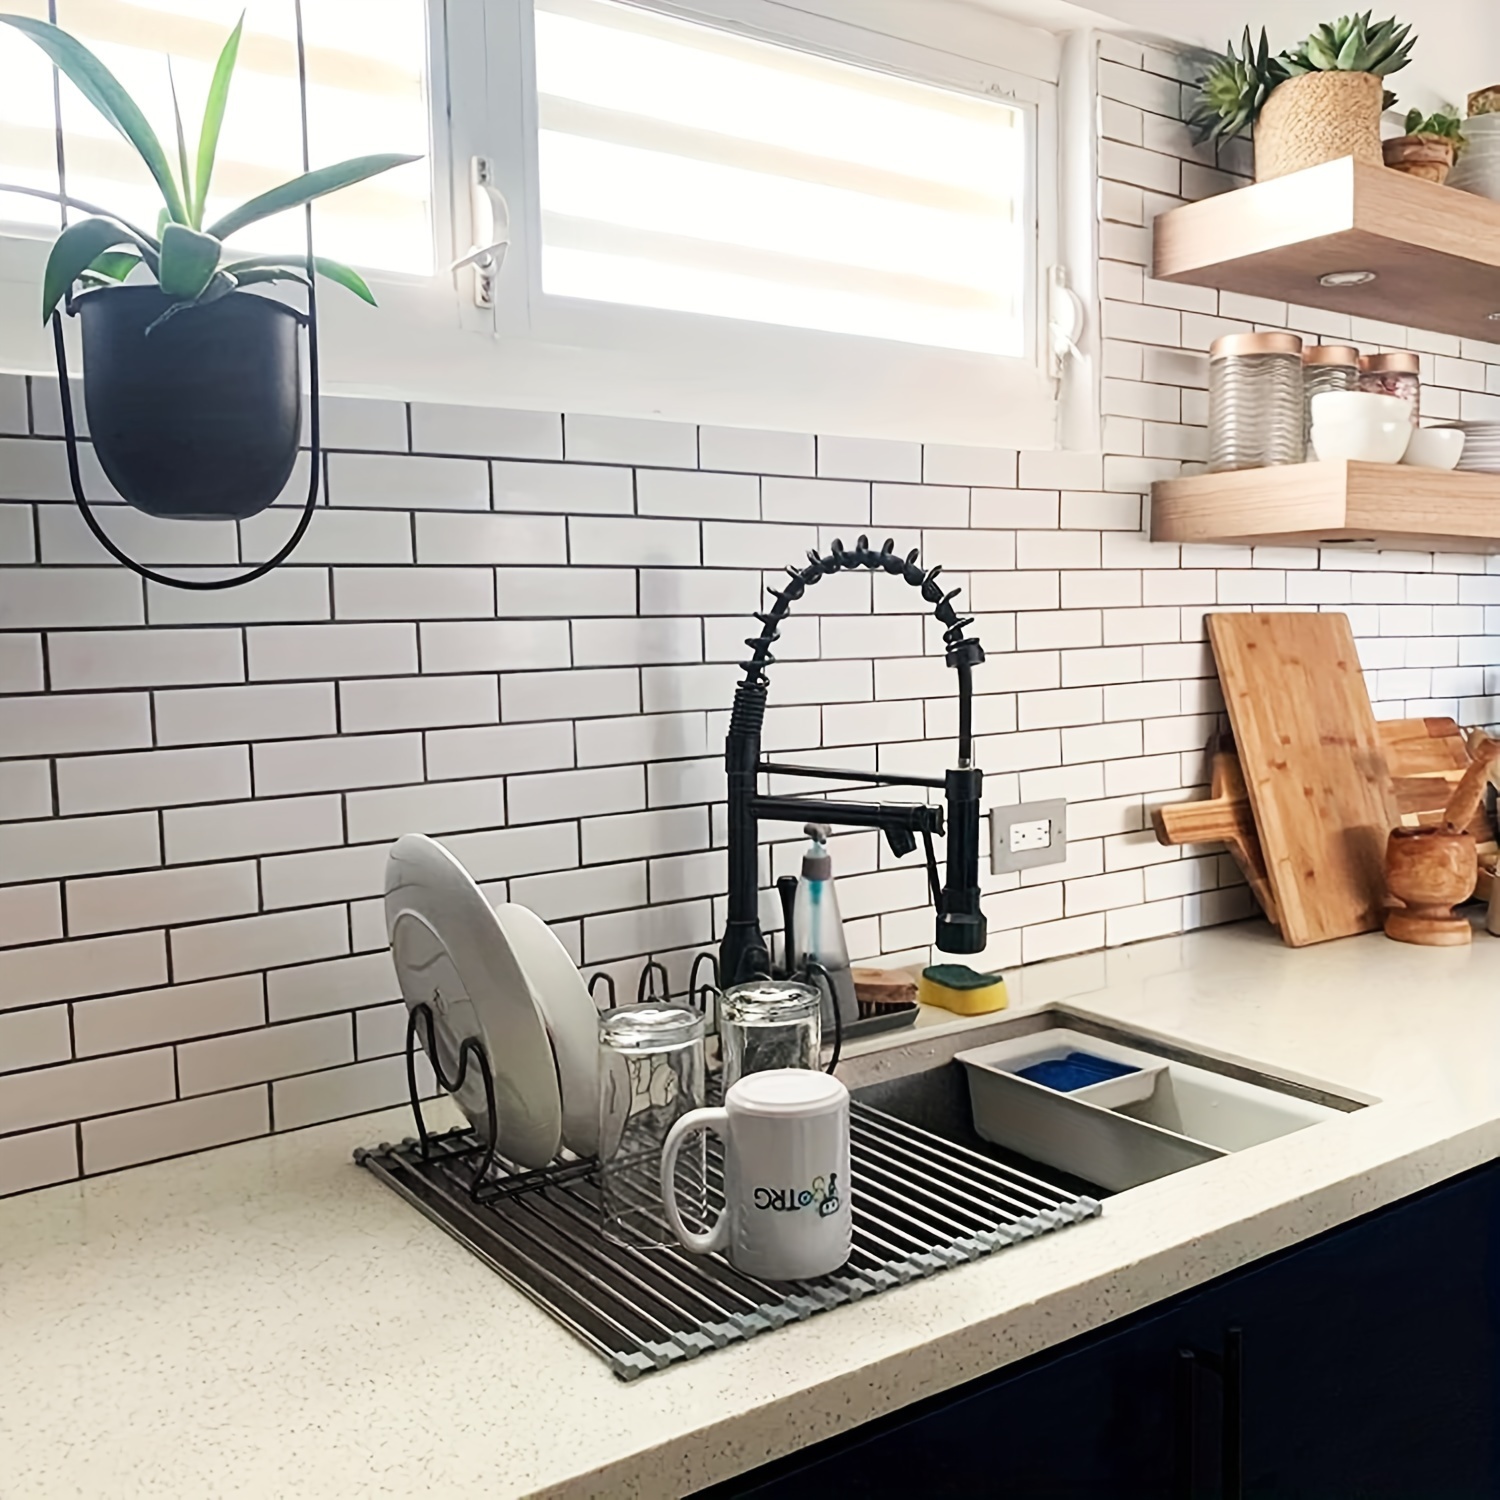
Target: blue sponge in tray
1075, 1071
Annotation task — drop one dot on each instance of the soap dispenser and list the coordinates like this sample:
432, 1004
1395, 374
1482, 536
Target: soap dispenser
819, 930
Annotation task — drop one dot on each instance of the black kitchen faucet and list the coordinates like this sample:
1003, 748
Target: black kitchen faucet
960, 922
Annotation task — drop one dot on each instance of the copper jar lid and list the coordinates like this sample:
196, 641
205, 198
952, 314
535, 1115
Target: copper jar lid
1330, 354
1234, 344
1400, 363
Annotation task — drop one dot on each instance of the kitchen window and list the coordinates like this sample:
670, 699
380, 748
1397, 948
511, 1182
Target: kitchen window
829, 215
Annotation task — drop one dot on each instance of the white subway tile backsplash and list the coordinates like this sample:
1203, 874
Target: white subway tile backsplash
78, 846
348, 874
163, 1130
420, 593
144, 658
484, 430
29, 914
21, 669
25, 790
335, 985
156, 898
550, 796
360, 422
258, 1056
314, 1097
630, 440
66, 538
498, 750
250, 943
489, 645
41, 599
334, 764
81, 1090
38, 1159
239, 829
288, 593
152, 778
572, 694
564, 593
674, 492
453, 537
50, 724
72, 970
150, 1018
869, 458
566, 489
632, 541
437, 807
207, 715
408, 482
417, 702
841, 501
748, 451
34, 1038
334, 536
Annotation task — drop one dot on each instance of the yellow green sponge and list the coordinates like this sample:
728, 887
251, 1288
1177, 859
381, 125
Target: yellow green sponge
958, 988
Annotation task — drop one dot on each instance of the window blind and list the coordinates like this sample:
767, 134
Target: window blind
367, 93
688, 168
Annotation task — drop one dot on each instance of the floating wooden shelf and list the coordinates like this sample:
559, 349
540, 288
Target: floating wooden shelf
1435, 251
1385, 507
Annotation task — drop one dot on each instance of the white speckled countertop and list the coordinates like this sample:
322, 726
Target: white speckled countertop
268, 1320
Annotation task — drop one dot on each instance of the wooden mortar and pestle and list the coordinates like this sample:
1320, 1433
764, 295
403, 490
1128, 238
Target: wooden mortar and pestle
1431, 870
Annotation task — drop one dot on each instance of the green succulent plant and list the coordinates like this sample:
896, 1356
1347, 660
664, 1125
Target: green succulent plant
185, 257
1235, 87
1352, 44
1448, 126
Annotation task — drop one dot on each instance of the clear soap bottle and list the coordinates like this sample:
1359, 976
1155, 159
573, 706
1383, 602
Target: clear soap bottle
818, 930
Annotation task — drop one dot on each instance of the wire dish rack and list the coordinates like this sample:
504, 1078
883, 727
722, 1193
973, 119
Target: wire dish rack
920, 1203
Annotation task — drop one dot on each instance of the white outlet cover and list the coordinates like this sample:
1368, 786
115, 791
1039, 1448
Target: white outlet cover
1005, 856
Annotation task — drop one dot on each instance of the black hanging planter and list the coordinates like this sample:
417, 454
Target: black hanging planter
198, 417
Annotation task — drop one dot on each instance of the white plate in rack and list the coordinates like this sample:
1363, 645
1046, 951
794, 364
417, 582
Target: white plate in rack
451, 955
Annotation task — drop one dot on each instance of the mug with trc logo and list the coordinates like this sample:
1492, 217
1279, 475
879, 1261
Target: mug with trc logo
786, 1175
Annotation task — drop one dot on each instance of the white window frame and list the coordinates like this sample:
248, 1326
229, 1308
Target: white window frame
639, 360
429, 341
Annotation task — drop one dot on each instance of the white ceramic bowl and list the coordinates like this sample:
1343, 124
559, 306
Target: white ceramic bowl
1361, 425
1435, 448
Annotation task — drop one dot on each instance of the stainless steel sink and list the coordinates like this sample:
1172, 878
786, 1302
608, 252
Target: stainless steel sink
1201, 1107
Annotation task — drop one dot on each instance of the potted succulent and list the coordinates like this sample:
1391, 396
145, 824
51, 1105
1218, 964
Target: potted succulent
191, 380
1429, 148
1318, 102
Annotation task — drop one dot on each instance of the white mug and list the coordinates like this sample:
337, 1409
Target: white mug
786, 1175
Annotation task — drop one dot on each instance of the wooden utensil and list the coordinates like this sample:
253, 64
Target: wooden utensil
879, 989
1314, 767
1430, 870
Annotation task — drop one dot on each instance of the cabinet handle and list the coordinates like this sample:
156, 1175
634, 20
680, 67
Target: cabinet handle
1232, 1444
1185, 1401
1229, 1366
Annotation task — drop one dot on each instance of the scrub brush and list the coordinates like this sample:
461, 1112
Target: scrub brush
958, 988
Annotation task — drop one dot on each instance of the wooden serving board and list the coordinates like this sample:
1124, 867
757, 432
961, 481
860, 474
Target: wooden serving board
1427, 758
1314, 767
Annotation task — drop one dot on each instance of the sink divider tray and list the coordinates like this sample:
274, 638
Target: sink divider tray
921, 1204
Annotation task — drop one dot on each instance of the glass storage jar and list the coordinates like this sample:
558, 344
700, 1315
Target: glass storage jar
1257, 414
1327, 367
1397, 374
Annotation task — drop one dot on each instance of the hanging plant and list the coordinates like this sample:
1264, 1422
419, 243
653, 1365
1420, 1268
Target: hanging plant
193, 384
1317, 102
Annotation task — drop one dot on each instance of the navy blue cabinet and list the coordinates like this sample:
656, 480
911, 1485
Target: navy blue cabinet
1363, 1363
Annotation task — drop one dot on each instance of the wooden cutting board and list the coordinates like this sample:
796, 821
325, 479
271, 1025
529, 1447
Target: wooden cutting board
1314, 767
1427, 758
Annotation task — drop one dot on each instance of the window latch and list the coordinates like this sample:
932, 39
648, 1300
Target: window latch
1065, 321
489, 222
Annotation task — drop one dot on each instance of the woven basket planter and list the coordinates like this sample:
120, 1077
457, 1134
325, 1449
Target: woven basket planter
1429, 157
1319, 117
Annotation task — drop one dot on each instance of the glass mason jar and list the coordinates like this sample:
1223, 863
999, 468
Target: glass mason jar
1327, 367
1398, 374
769, 1023
651, 1073
1257, 415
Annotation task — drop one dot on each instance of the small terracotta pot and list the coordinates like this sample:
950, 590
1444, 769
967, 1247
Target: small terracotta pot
1429, 157
1429, 870
1318, 117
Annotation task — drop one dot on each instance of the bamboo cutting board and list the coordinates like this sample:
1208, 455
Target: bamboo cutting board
1314, 767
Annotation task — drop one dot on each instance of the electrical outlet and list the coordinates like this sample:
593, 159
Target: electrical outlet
1028, 835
